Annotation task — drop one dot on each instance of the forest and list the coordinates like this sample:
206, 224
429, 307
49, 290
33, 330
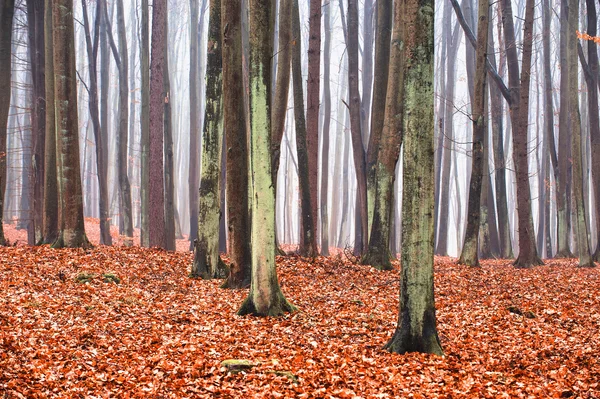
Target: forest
299, 199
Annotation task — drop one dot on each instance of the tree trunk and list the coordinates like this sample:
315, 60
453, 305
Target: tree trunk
207, 262
50, 219
156, 197
169, 175
579, 195
193, 174
378, 254
416, 330
265, 297
380, 83
7, 8
71, 225
325, 134
312, 112
145, 127
308, 239
238, 218
355, 126
469, 255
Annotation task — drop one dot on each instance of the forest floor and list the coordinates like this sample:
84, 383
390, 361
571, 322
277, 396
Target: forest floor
129, 322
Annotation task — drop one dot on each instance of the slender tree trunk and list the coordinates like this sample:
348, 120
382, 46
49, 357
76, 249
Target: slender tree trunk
238, 218
7, 8
169, 174
312, 111
71, 225
265, 297
145, 127
207, 262
380, 83
193, 174
579, 195
156, 197
326, 127
355, 126
378, 254
469, 255
50, 219
416, 330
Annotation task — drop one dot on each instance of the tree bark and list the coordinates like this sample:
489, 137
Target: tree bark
193, 173
145, 127
265, 297
156, 198
416, 330
207, 262
325, 134
71, 224
469, 255
238, 218
378, 254
169, 176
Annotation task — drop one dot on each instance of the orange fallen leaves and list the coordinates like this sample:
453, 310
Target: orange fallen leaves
159, 333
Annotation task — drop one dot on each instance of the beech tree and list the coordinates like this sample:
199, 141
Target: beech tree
416, 330
265, 297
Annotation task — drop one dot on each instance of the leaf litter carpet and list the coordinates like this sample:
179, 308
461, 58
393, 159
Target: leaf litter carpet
129, 323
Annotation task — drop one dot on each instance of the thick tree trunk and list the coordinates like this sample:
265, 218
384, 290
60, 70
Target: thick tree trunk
71, 225
265, 297
378, 254
35, 28
380, 83
207, 262
469, 255
145, 127
308, 239
50, 218
238, 218
7, 8
416, 330
156, 197
361, 237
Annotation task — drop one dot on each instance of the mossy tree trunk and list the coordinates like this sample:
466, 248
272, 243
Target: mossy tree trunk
265, 297
50, 212
469, 255
207, 262
581, 223
234, 116
193, 172
156, 196
308, 239
416, 330
378, 254
7, 9
71, 224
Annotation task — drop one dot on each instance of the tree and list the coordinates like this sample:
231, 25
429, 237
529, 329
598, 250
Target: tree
265, 297
7, 9
312, 111
156, 204
469, 255
99, 137
234, 123
50, 209
207, 262
308, 239
581, 228
193, 173
145, 126
71, 225
325, 135
416, 330
378, 254
355, 122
